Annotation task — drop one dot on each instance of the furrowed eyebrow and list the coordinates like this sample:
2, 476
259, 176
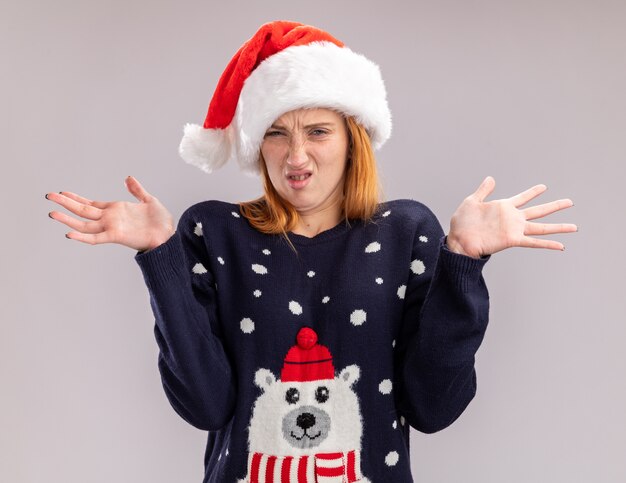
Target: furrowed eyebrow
308, 126
320, 124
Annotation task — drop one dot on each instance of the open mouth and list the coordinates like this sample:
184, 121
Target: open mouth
299, 181
300, 177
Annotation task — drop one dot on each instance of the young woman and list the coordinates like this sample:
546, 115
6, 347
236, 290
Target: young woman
308, 329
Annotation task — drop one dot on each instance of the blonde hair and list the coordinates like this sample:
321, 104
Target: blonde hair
274, 215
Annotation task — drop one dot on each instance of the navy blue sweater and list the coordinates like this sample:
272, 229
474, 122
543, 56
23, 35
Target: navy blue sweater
311, 363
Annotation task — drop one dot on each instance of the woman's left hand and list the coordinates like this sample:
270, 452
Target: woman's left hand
479, 228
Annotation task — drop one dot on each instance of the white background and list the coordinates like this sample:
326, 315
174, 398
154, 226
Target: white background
526, 91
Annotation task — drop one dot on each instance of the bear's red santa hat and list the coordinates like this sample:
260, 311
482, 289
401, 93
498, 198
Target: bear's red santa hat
307, 360
284, 66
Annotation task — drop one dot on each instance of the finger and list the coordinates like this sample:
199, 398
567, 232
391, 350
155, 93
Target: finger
91, 239
79, 225
525, 196
548, 228
529, 242
135, 188
546, 209
485, 188
76, 207
85, 201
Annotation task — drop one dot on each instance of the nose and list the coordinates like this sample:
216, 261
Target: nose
305, 420
297, 153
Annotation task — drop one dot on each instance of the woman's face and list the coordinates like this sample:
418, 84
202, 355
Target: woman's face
306, 152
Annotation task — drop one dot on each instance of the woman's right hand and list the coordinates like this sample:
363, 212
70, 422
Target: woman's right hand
141, 226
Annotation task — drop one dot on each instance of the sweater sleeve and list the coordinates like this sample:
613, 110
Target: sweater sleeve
444, 322
195, 371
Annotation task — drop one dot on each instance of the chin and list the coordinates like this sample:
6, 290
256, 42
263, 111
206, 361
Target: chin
300, 205
299, 202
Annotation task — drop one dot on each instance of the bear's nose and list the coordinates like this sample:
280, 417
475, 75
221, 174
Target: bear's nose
305, 420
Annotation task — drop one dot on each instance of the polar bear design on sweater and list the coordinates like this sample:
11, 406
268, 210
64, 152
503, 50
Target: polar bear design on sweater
307, 426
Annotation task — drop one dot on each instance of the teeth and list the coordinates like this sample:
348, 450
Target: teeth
299, 178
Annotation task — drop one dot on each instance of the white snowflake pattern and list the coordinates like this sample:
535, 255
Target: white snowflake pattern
379, 281
266, 252
417, 267
401, 291
198, 229
358, 317
247, 325
387, 213
372, 247
325, 299
423, 238
235, 214
260, 269
311, 274
295, 307
385, 386
221, 260
393, 343
394, 425
199, 269
257, 293
392, 458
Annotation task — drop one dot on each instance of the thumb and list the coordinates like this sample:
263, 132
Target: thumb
134, 188
485, 188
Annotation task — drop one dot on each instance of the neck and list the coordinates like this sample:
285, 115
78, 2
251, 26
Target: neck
311, 224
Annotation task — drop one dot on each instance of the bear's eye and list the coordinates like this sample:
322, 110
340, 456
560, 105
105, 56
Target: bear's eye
292, 396
321, 394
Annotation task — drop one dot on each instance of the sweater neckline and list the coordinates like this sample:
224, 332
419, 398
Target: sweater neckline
339, 229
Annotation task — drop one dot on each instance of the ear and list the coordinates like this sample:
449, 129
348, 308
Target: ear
264, 379
350, 374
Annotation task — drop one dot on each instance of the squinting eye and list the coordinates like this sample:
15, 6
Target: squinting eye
272, 133
318, 132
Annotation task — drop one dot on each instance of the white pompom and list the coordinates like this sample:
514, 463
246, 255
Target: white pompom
207, 149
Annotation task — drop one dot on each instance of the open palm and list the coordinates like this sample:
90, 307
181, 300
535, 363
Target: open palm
141, 226
479, 228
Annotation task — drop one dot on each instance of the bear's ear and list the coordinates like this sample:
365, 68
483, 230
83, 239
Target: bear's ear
350, 374
264, 379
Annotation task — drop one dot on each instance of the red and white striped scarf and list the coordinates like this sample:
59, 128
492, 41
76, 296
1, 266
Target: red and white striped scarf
318, 468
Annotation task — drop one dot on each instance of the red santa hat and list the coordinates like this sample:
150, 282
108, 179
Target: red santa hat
284, 66
307, 360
